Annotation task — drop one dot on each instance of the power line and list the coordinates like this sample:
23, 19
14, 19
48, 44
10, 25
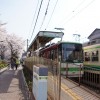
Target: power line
34, 16
73, 11
36, 19
45, 14
79, 11
51, 15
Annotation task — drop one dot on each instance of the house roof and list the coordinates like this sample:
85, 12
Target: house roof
96, 31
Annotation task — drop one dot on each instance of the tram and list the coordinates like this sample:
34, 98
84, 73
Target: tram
92, 56
92, 65
69, 54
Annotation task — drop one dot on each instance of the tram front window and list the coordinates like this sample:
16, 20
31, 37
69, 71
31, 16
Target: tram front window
72, 53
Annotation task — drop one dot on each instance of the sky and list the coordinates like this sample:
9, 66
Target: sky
80, 17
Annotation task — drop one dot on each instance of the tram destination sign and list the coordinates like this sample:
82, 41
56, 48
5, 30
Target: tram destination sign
51, 34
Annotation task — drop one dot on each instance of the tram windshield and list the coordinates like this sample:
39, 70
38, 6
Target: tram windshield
72, 53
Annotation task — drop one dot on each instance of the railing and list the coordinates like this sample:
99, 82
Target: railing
54, 78
54, 73
92, 78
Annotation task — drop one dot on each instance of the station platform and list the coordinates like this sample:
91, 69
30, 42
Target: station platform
12, 85
72, 91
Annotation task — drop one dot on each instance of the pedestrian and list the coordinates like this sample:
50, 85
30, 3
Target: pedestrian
8, 64
13, 62
17, 63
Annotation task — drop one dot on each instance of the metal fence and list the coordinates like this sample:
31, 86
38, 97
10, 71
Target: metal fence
54, 78
91, 78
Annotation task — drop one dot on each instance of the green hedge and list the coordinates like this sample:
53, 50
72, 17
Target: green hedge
3, 64
28, 77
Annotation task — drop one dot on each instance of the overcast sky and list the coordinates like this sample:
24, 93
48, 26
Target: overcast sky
75, 16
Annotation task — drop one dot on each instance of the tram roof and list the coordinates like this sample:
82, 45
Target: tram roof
44, 37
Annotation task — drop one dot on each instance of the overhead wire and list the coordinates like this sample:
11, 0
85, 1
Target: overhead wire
36, 19
73, 11
51, 15
34, 16
78, 12
45, 15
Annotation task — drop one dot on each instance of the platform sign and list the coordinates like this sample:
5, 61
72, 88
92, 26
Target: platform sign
40, 75
51, 34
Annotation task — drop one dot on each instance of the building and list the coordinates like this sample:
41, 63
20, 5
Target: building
94, 38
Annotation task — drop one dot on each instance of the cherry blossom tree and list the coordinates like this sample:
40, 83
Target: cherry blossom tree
15, 45
10, 44
3, 43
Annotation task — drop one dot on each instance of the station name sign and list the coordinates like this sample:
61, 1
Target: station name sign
51, 34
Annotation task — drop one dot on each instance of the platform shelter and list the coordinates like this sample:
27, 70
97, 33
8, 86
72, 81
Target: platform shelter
42, 38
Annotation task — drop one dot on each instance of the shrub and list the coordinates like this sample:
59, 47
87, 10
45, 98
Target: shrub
28, 77
3, 64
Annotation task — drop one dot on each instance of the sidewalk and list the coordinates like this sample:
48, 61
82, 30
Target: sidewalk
12, 85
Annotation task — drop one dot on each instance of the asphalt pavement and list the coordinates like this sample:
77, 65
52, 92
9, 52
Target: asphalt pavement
12, 85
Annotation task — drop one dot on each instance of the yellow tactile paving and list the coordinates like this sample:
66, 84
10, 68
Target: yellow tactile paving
70, 92
70, 89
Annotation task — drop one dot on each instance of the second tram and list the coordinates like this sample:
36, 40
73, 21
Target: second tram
91, 56
92, 66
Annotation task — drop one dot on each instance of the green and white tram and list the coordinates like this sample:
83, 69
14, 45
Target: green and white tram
92, 56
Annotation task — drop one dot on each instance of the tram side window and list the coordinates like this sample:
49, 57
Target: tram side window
51, 54
48, 55
54, 54
87, 56
95, 56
